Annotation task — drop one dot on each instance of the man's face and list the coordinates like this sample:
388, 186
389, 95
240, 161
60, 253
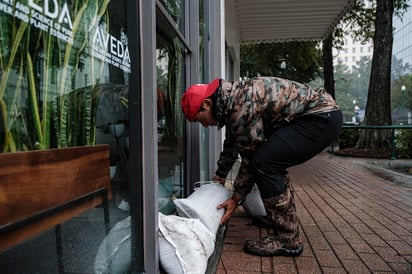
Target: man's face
206, 116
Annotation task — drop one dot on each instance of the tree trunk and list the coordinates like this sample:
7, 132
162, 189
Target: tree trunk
378, 108
328, 66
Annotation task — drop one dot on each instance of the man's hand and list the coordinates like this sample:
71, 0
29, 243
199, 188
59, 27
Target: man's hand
219, 179
230, 206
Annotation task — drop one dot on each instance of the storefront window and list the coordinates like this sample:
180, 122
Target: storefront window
204, 136
170, 87
65, 69
202, 40
176, 10
57, 62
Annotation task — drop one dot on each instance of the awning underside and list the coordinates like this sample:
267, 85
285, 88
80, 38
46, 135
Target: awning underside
288, 20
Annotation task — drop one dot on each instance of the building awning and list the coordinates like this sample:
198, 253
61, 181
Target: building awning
288, 20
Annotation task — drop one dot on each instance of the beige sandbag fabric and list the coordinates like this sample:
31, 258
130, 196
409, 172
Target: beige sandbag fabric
185, 245
202, 204
253, 204
113, 255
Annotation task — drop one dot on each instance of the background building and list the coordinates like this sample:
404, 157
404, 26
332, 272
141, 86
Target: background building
402, 40
402, 68
352, 51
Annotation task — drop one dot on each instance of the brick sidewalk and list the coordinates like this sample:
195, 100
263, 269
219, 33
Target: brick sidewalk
354, 220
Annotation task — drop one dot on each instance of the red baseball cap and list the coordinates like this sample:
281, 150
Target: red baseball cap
193, 97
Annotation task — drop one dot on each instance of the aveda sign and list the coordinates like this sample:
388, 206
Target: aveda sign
52, 10
111, 50
53, 16
46, 15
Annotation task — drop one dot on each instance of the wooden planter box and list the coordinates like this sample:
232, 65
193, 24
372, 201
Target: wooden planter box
41, 189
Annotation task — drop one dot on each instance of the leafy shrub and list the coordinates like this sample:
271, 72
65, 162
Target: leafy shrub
348, 138
404, 143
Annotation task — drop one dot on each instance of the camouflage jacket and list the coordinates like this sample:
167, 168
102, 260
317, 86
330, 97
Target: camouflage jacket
251, 110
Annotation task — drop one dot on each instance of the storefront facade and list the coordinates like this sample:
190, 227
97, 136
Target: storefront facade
89, 72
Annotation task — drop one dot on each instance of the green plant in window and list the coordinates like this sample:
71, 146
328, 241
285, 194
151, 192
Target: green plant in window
37, 80
174, 86
88, 14
9, 52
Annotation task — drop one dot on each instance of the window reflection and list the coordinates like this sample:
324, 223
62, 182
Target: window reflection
204, 135
170, 82
65, 85
175, 8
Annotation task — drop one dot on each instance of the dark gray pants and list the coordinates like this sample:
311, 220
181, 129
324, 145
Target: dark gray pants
290, 145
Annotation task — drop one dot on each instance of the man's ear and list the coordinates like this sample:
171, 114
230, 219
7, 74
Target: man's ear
206, 103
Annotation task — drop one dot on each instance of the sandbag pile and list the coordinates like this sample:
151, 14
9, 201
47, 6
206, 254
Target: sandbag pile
185, 245
113, 255
202, 204
186, 240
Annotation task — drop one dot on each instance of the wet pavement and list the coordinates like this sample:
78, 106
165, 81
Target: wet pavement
355, 215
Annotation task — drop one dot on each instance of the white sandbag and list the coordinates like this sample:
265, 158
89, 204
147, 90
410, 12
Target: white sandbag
113, 255
202, 204
253, 204
185, 245
197, 185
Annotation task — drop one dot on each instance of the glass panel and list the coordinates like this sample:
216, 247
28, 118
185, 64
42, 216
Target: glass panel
204, 136
204, 151
202, 41
55, 73
176, 10
170, 82
65, 69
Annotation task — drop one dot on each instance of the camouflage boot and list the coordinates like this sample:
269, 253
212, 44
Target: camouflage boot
285, 240
266, 221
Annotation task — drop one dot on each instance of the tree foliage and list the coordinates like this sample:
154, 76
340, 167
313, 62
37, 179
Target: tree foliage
378, 108
301, 60
359, 22
367, 20
352, 86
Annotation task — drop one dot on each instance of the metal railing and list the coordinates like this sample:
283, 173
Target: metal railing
391, 127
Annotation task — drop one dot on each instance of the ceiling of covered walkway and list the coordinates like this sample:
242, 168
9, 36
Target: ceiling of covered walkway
288, 20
